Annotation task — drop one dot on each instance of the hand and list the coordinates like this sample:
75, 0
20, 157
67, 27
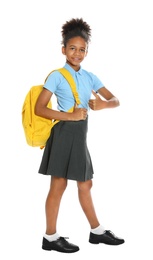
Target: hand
79, 113
97, 103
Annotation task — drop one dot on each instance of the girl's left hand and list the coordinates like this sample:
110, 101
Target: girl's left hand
97, 103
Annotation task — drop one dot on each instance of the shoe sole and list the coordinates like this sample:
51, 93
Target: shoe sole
96, 242
49, 249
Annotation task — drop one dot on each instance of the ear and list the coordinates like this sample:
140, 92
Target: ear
63, 50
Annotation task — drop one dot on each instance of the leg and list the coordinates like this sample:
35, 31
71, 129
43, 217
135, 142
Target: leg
86, 202
57, 188
87, 205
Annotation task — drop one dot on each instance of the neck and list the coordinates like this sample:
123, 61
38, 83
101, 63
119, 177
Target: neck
75, 67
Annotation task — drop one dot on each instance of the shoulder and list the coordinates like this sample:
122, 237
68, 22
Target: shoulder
53, 75
53, 80
89, 75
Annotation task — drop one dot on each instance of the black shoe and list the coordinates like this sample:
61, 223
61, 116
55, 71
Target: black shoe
60, 245
107, 238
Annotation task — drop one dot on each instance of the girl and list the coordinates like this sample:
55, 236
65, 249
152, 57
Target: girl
66, 156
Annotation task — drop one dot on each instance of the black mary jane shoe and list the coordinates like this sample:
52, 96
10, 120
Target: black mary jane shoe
60, 245
107, 238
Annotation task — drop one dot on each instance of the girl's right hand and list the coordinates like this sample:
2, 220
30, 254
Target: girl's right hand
79, 113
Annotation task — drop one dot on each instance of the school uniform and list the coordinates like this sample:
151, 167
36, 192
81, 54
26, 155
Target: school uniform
66, 153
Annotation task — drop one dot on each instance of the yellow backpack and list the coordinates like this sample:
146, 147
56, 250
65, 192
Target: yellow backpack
38, 129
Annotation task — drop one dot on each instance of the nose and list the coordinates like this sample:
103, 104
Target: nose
76, 52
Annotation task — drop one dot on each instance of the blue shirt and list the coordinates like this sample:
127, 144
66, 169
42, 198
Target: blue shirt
85, 83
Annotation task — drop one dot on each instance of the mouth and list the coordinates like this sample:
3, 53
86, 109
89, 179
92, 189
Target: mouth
76, 59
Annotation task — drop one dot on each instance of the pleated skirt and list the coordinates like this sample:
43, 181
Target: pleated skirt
66, 153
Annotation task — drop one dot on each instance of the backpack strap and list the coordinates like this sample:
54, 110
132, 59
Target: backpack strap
67, 75
71, 82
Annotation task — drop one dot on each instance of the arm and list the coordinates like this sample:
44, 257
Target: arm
42, 110
108, 100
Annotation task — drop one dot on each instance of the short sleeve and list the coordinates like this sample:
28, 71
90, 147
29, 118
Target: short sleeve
52, 81
97, 83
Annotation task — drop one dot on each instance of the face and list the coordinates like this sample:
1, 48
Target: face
75, 52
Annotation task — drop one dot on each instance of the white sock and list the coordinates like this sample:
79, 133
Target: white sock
98, 230
51, 238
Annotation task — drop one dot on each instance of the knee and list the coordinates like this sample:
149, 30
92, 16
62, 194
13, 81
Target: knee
62, 184
58, 184
84, 186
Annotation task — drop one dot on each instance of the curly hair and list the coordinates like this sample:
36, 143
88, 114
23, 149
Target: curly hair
75, 27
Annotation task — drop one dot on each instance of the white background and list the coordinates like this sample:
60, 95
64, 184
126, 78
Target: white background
120, 140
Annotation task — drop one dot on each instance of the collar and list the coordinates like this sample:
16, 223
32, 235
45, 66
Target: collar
72, 71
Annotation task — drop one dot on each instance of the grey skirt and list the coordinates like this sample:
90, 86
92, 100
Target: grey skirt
66, 153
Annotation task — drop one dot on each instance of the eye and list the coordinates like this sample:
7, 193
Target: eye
72, 48
82, 50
